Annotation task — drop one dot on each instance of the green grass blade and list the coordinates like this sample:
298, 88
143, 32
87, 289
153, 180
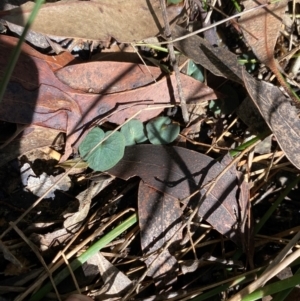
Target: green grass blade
273, 288
221, 288
237, 150
283, 294
76, 263
275, 205
155, 47
17, 50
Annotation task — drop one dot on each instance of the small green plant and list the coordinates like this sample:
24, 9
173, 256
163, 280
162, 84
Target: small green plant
102, 156
161, 130
106, 154
249, 61
134, 132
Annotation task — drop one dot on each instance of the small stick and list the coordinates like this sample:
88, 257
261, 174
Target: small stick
174, 63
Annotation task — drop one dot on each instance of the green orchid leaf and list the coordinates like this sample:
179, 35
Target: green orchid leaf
174, 1
195, 71
133, 132
161, 130
107, 154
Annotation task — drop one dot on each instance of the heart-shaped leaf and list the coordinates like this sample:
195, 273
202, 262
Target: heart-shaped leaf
133, 132
105, 155
161, 130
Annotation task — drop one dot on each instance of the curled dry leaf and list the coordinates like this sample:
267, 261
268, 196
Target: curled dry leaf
38, 185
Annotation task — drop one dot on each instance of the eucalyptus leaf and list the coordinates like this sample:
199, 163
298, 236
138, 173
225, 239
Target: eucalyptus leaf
133, 132
105, 155
161, 130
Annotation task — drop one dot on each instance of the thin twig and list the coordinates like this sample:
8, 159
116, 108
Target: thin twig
38, 255
174, 63
265, 277
212, 25
55, 266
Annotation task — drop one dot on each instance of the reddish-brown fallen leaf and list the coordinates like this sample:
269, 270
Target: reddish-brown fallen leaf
125, 21
107, 77
55, 62
36, 96
159, 220
179, 172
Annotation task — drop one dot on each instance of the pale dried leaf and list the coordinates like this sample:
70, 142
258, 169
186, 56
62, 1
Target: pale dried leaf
261, 28
125, 21
39, 185
117, 281
85, 199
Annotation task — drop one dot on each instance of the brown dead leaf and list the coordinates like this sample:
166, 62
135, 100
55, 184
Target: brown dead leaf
179, 172
261, 28
55, 62
37, 96
107, 77
159, 220
32, 138
101, 20
278, 113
